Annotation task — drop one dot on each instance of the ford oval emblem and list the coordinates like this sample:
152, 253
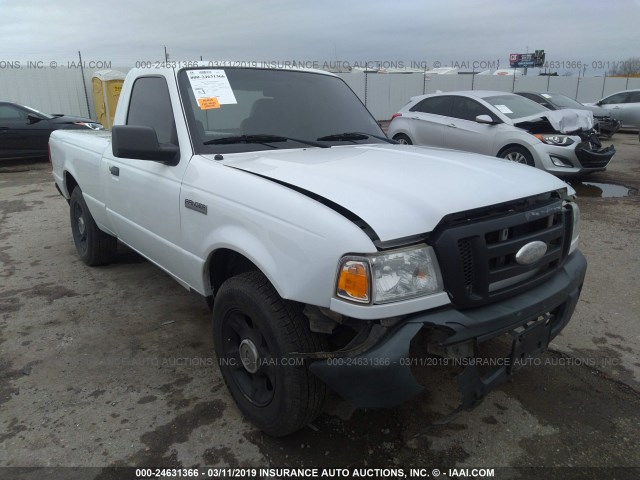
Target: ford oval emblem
531, 252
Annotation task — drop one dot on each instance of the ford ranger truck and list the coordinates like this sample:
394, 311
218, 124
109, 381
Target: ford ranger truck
325, 249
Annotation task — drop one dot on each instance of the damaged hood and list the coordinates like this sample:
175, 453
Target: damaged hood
398, 190
566, 120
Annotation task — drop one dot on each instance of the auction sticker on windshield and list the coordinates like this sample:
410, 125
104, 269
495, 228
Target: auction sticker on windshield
504, 109
211, 88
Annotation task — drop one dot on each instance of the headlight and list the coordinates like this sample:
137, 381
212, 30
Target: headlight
389, 276
561, 140
91, 125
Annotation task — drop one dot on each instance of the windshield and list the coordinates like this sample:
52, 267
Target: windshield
234, 109
515, 106
562, 101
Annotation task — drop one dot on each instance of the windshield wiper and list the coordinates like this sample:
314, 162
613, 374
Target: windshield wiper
260, 138
352, 136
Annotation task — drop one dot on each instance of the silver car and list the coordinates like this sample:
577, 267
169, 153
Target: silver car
503, 125
623, 106
605, 125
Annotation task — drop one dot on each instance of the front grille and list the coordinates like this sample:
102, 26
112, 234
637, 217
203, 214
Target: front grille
590, 157
478, 256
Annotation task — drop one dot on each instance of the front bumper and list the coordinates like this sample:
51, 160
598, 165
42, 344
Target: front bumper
382, 377
573, 160
594, 159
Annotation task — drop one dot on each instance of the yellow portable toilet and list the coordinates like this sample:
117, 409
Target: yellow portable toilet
107, 85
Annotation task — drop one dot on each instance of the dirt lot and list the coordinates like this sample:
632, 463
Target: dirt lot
113, 366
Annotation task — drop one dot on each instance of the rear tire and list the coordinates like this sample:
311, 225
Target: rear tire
518, 155
255, 332
402, 139
93, 245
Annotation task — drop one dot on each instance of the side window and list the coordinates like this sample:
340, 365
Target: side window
9, 113
468, 109
435, 105
150, 106
617, 98
634, 97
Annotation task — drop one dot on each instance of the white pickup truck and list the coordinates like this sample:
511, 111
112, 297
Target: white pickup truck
326, 250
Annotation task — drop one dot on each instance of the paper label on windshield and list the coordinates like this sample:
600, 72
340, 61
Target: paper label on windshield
208, 103
211, 88
504, 109
545, 95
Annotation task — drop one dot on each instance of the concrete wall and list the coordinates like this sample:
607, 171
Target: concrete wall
61, 90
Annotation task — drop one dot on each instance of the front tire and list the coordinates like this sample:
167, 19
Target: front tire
402, 139
255, 332
93, 245
518, 155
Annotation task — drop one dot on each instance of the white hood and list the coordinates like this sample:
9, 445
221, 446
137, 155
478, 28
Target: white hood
399, 190
565, 120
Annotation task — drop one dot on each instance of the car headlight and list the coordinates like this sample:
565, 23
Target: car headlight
561, 140
91, 125
389, 276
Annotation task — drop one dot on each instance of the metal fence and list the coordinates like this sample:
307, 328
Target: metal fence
63, 90
384, 94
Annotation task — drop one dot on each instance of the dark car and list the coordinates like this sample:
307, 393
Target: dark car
605, 124
24, 131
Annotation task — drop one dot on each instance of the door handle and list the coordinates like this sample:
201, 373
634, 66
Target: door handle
115, 171
4, 129
452, 125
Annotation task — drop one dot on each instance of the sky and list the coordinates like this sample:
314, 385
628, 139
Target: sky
596, 33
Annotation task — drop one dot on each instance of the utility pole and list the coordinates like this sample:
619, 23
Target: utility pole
84, 84
166, 55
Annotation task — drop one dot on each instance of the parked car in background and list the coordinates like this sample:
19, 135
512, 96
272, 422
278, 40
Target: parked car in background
623, 106
24, 131
504, 125
605, 124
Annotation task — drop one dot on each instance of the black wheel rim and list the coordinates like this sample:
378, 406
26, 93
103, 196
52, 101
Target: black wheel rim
79, 228
248, 358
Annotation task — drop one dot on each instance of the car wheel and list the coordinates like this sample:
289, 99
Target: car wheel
93, 245
255, 334
402, 139
518, 155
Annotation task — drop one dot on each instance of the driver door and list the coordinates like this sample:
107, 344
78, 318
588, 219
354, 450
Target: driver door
464, 133
143, 196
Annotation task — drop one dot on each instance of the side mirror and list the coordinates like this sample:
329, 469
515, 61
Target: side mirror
486, 119
598, 103
141, 143
31, 119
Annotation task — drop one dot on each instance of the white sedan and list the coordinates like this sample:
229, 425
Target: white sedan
503, 125
623, 106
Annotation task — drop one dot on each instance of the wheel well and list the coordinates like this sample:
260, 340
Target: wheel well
506, 147
224, 264
70, 182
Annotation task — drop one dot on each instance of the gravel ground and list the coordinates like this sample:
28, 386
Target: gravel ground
113, 366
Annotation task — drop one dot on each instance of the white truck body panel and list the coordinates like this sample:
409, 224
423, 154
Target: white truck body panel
296, 241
